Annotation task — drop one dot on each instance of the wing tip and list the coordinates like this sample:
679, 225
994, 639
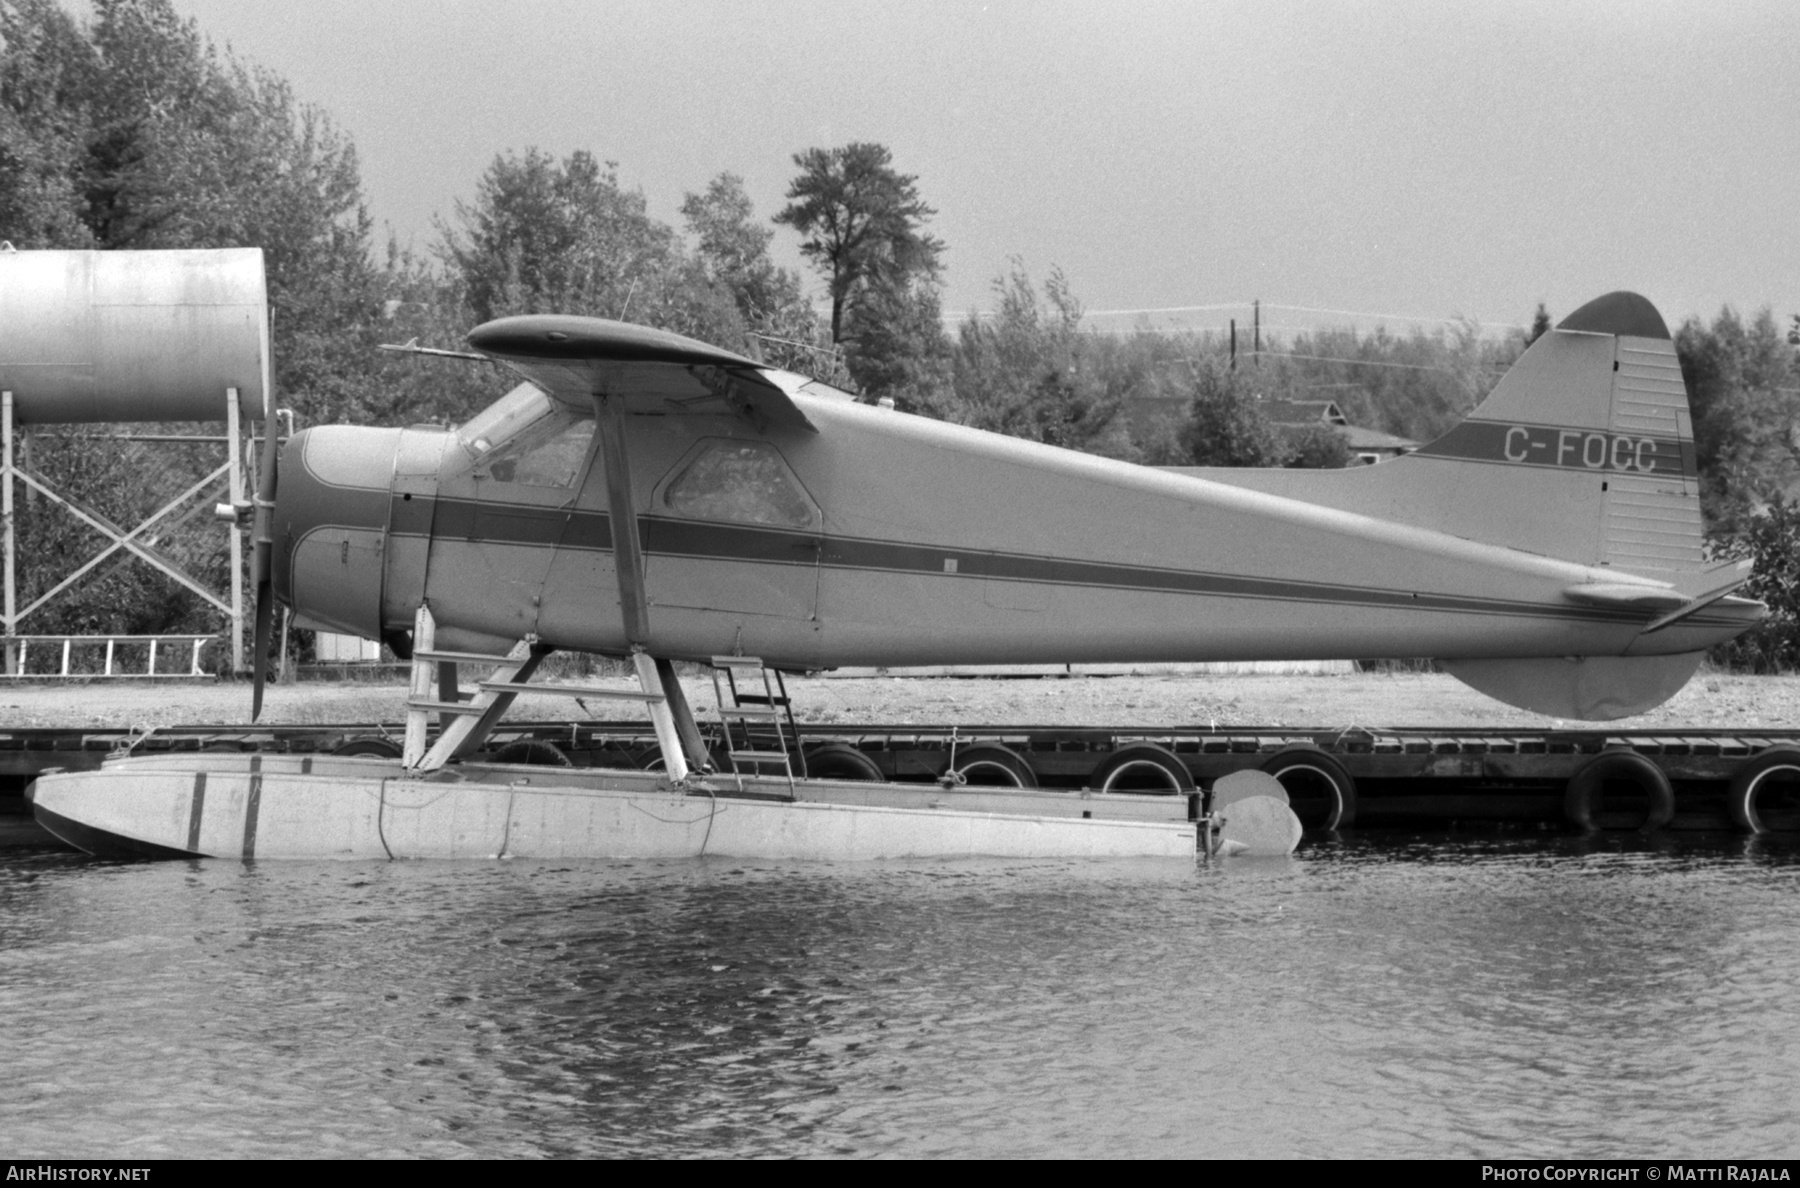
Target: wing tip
566, 336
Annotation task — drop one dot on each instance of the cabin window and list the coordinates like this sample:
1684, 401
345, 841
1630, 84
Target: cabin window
742, 481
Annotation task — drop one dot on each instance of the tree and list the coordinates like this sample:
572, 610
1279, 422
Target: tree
733, 252
1315, 447
863, 225
1415, 385
1540, 324
1224, 426
47, 71
544, 236
900, 351
1771, 538
1028, 371
1741, 379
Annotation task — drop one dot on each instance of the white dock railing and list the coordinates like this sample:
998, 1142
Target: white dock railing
76, 648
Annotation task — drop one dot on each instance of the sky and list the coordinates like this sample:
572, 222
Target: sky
1410, 160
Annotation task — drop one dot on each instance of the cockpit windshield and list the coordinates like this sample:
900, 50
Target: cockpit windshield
505, 419
529, 439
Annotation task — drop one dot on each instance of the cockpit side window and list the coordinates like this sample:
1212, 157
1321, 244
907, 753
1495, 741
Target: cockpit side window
527, 438
745, 482
538, 460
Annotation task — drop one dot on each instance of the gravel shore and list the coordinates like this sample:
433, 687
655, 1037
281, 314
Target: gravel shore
1711, 702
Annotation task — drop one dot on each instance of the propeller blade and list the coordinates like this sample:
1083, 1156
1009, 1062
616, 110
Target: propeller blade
262, 535
265, 628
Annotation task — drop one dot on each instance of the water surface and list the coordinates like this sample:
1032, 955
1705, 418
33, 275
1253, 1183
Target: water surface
1381, 996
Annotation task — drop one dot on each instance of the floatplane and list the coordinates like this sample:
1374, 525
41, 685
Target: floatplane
648, 496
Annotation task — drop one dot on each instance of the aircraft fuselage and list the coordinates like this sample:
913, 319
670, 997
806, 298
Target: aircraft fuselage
887, 539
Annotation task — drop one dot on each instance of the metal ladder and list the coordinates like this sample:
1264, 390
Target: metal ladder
739, 711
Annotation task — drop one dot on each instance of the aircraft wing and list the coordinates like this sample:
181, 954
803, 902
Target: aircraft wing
652, 371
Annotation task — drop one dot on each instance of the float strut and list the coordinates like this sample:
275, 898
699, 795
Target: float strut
658, 699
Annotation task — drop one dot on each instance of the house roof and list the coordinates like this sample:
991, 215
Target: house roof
1359, 438
1302, 412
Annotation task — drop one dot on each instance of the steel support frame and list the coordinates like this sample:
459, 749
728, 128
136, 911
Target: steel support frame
123, 543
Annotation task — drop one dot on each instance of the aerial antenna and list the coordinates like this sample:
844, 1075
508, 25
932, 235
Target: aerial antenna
411, 347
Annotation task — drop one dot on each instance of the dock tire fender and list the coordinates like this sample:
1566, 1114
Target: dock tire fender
377, 748
1145, 769
841, 761
1320, 789
994, 765
1752, 778
533, 752
1582, 799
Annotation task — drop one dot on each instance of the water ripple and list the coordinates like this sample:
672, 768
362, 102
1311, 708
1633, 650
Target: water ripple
1431, 995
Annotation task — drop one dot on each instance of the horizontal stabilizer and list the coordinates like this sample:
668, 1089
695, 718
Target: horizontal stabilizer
651, 371
1585, 688
1694, 593
1626, 597
1739, 576
1722, 578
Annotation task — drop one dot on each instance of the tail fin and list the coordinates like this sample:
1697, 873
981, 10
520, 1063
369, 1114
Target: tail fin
1584, 452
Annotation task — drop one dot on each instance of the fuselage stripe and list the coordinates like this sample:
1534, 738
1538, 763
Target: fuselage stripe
586, 530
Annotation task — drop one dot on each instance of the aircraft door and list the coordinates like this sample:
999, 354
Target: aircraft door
501, 515
731, 529
410, 506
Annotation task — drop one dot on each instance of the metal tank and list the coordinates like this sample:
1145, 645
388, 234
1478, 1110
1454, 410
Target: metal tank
133, 336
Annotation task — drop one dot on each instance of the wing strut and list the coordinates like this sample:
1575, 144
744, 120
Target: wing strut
656, 677
628, 551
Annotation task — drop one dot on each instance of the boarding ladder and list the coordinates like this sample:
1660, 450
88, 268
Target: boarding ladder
742, 711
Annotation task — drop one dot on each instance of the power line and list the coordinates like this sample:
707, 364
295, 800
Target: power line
1365, 362
1365, 315
1337, 359
1120, 313
1388, 317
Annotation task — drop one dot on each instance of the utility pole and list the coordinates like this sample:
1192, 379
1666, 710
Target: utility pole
1256, 332
1234, 344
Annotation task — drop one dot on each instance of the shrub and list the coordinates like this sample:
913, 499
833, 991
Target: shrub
1770, 538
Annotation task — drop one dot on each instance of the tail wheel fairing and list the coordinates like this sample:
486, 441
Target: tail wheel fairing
1589, 688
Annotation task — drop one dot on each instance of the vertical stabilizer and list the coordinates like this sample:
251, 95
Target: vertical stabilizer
1584, 451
